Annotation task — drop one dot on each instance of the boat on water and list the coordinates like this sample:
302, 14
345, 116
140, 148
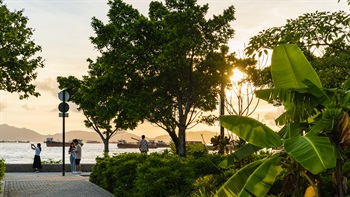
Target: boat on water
16, 141
93, 142
151, 144
161, 144
125, 144
52, 143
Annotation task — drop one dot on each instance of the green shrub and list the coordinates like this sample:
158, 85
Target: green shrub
204, 186
2, 171
205, 165
51, 161
196, 150
192, 150
122, 173
207, 185
98, 172
166, 175
117, 174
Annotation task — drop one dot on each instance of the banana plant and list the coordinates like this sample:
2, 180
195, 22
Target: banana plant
310, 109
221, 143
316, 154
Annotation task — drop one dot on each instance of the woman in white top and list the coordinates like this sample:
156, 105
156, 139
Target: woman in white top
37, 160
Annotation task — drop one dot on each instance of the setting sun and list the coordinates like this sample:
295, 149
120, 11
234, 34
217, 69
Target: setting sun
237, 75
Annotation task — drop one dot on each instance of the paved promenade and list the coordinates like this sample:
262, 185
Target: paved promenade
50, 184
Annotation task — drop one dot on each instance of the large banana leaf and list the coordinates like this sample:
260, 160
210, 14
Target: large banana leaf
238, 155
289, 67
298, 102
288, 131
234, 185
345, 101
346, 85
319, 126
283, 94
255, 179
315, 154
251, 130
291, 130
321, 96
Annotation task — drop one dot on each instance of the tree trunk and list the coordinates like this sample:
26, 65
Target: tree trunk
339, 178
339, 164
104, 140
222, 112
182, 142
106, 145
175, 140
297, 181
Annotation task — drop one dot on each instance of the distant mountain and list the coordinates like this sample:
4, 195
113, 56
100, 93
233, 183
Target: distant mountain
10, 133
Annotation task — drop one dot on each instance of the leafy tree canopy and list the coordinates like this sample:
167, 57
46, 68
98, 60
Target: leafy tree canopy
106, 111
322, 36
171, 62
17, 50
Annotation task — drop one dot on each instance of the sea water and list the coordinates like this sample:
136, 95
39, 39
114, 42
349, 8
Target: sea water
21, 153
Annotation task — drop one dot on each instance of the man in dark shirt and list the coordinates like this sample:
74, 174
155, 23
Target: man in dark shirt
143, 145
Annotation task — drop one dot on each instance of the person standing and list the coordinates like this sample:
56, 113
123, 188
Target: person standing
37, 160
72, 157
143, 144
77, 153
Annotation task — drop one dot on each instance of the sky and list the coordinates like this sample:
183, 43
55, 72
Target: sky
63, 27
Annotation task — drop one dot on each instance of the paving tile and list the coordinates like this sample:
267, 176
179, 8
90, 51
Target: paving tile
50, 185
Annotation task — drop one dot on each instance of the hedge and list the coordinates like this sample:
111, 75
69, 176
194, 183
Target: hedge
2, 171
134, 174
